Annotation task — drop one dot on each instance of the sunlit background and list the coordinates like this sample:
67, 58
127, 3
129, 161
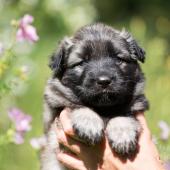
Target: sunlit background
148, 21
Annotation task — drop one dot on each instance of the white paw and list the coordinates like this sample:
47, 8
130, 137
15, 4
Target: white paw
123, 133
87, 125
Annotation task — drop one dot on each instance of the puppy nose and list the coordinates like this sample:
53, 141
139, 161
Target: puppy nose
103, 80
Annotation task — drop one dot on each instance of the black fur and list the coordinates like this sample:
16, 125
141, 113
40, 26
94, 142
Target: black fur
103, 52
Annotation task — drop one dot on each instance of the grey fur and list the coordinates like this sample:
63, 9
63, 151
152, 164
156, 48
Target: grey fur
48, 155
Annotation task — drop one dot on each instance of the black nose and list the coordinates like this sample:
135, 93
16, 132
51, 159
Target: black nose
104, 80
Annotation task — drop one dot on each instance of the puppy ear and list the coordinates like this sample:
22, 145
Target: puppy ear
57, 61
136, 51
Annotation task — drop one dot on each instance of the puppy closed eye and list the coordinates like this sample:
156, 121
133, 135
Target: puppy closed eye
120, 61
80, 63
77, 64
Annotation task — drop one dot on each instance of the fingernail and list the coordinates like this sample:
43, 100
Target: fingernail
59, 135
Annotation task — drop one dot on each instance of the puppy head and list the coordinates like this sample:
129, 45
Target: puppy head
100, 65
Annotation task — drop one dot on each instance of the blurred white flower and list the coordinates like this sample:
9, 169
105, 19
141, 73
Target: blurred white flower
38, 142
1, 48
165, 130
25, 69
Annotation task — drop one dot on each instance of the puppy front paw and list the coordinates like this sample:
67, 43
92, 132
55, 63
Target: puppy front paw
123, 133
87, 125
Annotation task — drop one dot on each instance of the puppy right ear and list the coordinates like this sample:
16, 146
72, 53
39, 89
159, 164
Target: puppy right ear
57, 61
136, 51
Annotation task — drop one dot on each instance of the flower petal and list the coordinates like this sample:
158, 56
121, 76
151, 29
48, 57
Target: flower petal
18, 138
165, 130
20, 35
38, 143
26, 31
31, 34
1, 48
23, 126
167, 165
15, 114
26, 19
21, 120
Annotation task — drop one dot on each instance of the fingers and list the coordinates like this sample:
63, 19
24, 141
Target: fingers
146, 137
70, 161
73, 145
141, 118
66, 122
66, 136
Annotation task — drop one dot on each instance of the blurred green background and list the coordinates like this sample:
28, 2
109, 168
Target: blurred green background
148, 21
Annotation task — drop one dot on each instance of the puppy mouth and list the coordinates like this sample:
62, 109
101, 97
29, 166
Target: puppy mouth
104, 98
107, 91
92, 92
105, 94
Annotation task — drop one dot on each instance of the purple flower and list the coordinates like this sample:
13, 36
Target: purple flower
165, 130
1, 48
21, 122
18, 138
38, 143
26, 31
167, 165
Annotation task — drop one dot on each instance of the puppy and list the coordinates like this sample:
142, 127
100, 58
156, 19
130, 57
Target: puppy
97, 74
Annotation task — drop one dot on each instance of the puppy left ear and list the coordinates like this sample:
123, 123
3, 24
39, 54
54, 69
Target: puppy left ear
58, 58
137, 53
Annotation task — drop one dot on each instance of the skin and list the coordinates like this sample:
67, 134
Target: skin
100, 156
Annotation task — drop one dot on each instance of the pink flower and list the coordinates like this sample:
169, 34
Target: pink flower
165, 130
21, 120
38, 143
22, 124
26, 31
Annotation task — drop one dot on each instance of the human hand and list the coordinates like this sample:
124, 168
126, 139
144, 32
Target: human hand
100, 156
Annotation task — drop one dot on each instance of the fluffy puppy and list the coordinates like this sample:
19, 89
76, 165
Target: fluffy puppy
97, 74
